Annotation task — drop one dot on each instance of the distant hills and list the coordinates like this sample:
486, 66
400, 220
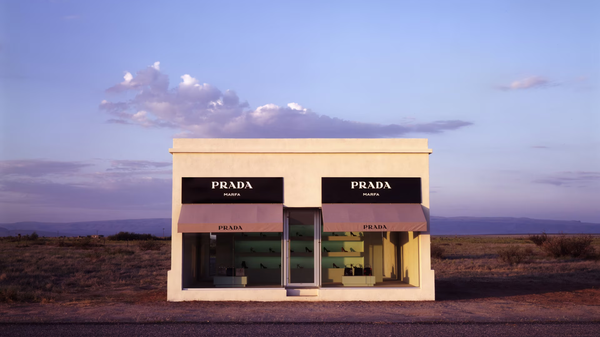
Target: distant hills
484, 225
439, 226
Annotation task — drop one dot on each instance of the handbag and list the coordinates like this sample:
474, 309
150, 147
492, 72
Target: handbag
358, 271
368, 271
348, 271
240, 271
230, 272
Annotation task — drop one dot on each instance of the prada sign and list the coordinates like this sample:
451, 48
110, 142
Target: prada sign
231, 190
370, 190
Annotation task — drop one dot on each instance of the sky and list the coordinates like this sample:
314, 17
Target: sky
93, 92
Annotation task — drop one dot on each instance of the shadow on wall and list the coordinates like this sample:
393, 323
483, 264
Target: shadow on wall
450, 289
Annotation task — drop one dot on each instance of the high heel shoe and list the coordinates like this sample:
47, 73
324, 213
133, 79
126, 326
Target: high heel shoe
298, 234
291, 250
352, 249
252, 250
298, 266
262, 266
325, 249
244, 265
352, 234
343, 250
271, 250
308, 250
334, 266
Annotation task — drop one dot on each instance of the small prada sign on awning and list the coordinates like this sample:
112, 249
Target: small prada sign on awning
373, 218
370, 190
230, 218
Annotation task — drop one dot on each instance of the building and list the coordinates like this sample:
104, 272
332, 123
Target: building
300, 219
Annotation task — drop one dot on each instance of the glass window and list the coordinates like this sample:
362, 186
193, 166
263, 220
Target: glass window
369, 259
227, 260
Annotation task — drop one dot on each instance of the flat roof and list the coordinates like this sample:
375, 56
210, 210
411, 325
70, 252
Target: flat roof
300, 145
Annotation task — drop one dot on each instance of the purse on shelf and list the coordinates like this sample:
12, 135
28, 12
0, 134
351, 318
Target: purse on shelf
358, 271
368, 271
348, 271
230, 272
240, 271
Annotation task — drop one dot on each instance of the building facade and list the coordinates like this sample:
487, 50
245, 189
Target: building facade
300, 219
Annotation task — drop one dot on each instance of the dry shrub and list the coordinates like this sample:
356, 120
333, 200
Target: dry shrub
515, 255
119, 251
538, 240
149, 245
437, 252
577, 246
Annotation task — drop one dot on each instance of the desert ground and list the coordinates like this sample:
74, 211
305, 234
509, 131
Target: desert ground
69, 280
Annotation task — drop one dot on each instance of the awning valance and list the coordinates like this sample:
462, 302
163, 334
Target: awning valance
228, 218
373, 218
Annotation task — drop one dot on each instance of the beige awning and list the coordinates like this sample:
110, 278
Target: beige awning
373, 218
229, 218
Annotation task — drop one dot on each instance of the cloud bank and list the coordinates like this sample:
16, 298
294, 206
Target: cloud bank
45, 189
202, 110
572, 179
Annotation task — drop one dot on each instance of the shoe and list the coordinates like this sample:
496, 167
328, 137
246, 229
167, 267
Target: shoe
334, 266
298, 265
279, 266
298, 234
271, 250
262, 266
291, 250
308, 250
261, 234
343, 250
252, 250
352, 250
325, 249
334, 234
352, 234
244, 265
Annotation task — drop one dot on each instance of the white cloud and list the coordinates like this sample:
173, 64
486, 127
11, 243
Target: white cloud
202, 110
528, 83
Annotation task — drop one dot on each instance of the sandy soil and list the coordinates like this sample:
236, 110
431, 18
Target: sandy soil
456, 303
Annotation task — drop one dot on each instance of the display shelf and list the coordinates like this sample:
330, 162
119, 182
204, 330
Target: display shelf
342, 238
257, 238
303, 254
342, 254
259, 254
302, 238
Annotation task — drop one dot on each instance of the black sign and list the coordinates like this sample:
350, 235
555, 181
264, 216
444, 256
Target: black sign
232, 190
371, 190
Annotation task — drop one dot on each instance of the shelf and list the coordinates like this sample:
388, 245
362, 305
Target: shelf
302, 238
258, 254
342, 238
342, 254
258, 238
302, 254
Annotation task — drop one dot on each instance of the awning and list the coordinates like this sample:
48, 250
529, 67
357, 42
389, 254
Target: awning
373, 218
229, 218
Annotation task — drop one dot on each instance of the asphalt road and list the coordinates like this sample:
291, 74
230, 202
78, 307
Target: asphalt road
299, 329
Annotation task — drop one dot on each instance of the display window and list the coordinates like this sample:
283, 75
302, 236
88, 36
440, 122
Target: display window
367, 259
232, 260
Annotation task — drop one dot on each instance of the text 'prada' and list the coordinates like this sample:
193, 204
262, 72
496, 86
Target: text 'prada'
374, 227
225, 185
377, 185
230, 228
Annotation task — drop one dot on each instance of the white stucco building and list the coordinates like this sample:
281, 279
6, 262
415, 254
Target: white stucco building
300, 219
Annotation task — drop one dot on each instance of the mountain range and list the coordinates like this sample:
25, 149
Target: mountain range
439, 226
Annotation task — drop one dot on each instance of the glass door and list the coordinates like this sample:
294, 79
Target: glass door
302, 247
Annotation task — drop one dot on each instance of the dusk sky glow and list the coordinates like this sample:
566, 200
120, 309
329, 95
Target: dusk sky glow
93, 92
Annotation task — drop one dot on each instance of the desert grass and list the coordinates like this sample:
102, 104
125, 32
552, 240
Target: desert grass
76, 270
478, 258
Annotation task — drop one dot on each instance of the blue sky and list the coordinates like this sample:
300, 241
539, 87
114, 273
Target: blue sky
507, 92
